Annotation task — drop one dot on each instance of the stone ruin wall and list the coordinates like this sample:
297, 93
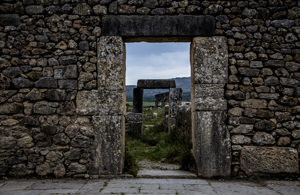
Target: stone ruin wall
48, 64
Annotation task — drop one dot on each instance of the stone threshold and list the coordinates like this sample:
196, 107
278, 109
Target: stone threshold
166, 174
123, 176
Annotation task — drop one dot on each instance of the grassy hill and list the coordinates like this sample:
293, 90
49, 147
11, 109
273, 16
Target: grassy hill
149, 94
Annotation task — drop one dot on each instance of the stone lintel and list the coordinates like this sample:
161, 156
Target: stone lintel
107, 156
209, 60
211, 143
96, 102
156, 83
274, 160
137, 100
208, 97
151, 26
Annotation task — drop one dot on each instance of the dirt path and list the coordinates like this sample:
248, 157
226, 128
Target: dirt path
146, 164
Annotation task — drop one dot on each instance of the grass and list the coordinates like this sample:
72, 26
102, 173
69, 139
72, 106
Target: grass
155, 144
145, 104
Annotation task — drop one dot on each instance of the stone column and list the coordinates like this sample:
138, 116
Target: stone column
211, 138
175, 100
137, 100
109, 145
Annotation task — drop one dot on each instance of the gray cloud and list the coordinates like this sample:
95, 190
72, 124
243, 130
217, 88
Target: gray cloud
156, 61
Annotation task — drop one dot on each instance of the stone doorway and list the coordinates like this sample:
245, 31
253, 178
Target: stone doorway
211, 140
209, 74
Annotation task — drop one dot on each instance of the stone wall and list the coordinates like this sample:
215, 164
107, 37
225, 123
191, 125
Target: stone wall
48, 65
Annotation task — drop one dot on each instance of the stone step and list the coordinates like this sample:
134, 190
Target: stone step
165, 174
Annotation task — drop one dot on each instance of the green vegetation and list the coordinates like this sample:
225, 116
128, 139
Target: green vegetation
156, 144
145, 104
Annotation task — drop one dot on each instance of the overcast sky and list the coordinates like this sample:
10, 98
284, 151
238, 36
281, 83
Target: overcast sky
156, 61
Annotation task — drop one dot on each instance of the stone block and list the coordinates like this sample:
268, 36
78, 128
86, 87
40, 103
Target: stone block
11, 108
137, 100
211, 143
175, 101
107, 156
171, 124
66, 60
111, 63
46, 82
209, 60
134, 117
9, 19
254, 103
156, 83
208, 97
96, 102
259, 159
56, 95
22, 83
143, 26
43, 107
67, 84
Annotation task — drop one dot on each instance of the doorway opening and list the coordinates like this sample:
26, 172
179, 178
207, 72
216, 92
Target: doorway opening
154, 140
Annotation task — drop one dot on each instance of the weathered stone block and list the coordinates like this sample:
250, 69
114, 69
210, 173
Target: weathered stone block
111, 63
258, 159
43, 107
67, 84
254, 103
101, 102
34, 9
156, 84
211, 143
134, 117
68, 72
56, 95
22, 82
242, 129
9, 19
171, 124
66, 60
209, 60
208, 97
11, 108
80, 141
107, 155
175, 101
7, 142
182, 25
5, 94
46, 82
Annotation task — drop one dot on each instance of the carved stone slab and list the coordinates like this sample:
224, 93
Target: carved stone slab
211, 143
259, 159
107, 155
